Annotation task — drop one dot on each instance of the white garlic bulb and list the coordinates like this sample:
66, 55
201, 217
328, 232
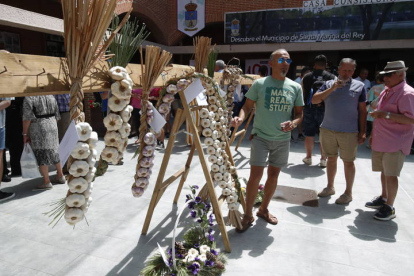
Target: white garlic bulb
149, 138
204, 113
79, 168
213, 108
141, 182
211, 150
143, 172
172, 89
215, 168
218, 176
78, 185
75, 200
207, 132
116, 72
208, 141
73, 215
112, 122
212, 159
137, 191
168, 98
117, 104
205, 123
226, 192
84, 131
222, 184
112, 138
81, 151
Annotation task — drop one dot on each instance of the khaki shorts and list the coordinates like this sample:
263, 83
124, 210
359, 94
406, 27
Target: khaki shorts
264, 152
390, 163
345, 142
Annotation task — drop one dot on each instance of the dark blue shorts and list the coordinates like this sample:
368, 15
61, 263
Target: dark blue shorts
312, 120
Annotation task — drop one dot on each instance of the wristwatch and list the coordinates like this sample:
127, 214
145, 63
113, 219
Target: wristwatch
294, 124
387, 116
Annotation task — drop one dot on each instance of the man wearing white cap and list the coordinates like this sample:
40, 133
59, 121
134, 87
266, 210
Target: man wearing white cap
392, 136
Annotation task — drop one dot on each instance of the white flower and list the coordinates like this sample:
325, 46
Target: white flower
120, 91
75, 200
112, 122
112, 138
81, 151
189, 258
116, 72
110, 154
203, 257
73, 215
226, 192
78, 185
84, 131
116, 104
93, 140
125, 130
193, 252
79, 168
126, 113
204, 249
137, 191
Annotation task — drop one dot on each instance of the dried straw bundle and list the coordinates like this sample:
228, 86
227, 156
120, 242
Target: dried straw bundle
85, 24
202, 49
155, 62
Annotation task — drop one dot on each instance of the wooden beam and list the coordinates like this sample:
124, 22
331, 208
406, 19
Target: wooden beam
30, 75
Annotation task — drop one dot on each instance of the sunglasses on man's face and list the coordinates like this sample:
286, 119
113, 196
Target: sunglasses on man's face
281, 60
388, 75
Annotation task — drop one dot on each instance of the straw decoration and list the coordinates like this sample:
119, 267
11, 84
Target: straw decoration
155, 62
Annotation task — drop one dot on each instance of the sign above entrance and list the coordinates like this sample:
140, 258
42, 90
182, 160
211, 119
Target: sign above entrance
191, 16
349, 20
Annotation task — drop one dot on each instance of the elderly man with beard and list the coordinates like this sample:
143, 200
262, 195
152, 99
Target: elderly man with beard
275, 96
392, 136
343, 125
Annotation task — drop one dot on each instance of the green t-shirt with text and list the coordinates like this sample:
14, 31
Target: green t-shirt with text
275, 100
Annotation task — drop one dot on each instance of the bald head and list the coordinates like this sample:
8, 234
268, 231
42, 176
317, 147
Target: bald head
278, 52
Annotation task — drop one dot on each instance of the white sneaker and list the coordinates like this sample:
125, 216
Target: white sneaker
322, 163
307, 161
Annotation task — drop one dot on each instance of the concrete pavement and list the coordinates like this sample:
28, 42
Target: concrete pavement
324, 240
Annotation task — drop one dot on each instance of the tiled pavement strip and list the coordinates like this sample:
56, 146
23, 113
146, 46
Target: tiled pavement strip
326, 240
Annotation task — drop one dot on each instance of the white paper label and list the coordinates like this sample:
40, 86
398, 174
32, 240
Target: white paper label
192, 91
202, 99
68, 143
158, 122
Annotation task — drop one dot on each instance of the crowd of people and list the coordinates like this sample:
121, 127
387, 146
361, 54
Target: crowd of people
343, 111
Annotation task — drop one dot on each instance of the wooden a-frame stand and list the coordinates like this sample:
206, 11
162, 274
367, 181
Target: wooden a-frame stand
241, 132
161, 185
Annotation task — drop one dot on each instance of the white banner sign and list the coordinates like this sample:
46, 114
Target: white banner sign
68, 143
190, 16
363, 2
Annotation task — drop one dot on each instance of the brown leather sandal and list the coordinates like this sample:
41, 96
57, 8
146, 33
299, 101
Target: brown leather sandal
246, 223
267, 216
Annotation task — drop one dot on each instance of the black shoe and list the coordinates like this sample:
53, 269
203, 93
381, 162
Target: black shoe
6, 178
301, 137
386, 212
376, 203
5, 196
160, 145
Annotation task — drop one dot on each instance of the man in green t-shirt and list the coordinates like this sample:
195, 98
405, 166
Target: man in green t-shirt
275, 97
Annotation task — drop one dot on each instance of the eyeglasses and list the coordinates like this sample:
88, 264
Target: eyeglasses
281, 60
388, 75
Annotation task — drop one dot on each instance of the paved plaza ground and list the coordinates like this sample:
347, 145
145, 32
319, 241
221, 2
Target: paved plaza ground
324, 240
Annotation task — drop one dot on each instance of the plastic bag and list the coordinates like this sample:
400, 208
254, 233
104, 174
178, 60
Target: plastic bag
28, 163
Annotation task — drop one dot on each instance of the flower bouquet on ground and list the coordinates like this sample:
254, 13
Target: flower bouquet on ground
260, 192
197, 254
